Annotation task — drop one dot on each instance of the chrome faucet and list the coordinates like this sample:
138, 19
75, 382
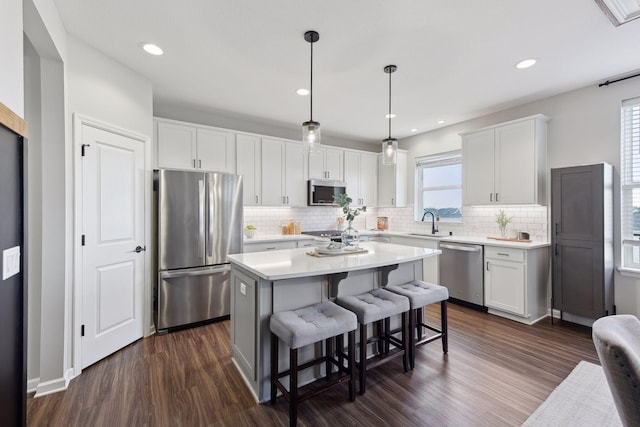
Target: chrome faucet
434, 230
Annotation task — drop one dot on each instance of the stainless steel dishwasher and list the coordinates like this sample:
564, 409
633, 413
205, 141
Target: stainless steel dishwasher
461, 271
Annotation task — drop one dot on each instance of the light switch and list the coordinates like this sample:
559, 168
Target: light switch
243, 289
10, 262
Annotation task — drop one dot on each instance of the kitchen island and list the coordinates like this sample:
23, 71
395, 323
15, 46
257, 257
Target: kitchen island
263, 283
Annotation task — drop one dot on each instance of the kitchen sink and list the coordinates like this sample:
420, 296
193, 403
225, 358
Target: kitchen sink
435, 236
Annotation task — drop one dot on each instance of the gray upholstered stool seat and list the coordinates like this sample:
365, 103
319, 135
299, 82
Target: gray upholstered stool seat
421, 294
311, 324
378, 306
298, 328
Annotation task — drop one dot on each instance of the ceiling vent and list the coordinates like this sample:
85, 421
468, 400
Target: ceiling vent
620, 11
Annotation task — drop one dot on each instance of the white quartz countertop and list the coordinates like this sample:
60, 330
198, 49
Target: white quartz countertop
294, 263
459, 239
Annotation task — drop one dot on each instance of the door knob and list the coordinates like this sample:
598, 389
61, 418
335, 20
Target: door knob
139, 249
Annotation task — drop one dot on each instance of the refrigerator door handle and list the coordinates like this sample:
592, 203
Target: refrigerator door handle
198, 272
210, 219
201, 222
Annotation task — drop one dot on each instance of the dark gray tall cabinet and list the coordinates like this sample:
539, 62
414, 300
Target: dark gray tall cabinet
582, 240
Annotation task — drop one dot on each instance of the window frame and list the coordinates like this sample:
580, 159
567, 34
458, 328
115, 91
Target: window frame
433, 160
629, 154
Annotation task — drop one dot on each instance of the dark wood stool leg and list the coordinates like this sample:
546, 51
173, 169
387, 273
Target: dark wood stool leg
328, 354
352, 364
444, 326
387, 329
405, 340
380, 333
412, 337
340, 349
274, 367
419, 320
363, 358
293, 387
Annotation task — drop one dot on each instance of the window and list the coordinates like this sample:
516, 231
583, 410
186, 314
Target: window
439, 186
630, 182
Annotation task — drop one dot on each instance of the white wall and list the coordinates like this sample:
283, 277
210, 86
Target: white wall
11, 65
584, 129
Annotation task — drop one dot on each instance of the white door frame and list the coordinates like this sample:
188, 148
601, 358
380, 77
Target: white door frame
80, 120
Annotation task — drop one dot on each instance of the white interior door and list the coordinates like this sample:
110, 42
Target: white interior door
112, 228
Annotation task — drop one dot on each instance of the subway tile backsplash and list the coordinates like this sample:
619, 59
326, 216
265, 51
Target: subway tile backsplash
478, 221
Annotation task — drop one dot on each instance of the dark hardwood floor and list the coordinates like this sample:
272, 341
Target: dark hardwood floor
496, 373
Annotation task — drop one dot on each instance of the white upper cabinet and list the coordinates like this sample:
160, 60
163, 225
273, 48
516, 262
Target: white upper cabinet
187, 146
216, 150
283, 173
506, 164
176, 145
326, 163
360, 174
392, 182
249, 165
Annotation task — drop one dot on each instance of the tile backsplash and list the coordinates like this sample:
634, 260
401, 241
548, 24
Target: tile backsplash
479, 221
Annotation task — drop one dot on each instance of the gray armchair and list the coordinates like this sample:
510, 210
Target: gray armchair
617, 341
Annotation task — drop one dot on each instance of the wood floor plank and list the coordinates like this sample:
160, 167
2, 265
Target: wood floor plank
496, 373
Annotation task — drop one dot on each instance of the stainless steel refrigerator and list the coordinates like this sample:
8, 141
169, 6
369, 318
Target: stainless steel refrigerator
199, 223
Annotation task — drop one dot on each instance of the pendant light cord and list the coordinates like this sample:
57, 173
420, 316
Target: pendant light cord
311, 85
389, 105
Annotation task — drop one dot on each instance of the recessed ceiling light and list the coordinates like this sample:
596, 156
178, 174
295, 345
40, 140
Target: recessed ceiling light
389, 116
440, 122
302, 92
525, 63
414, 130
152, 49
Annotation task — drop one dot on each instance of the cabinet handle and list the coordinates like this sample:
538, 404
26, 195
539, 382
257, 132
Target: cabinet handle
283, 200
502, 254
491, 197
557, 227
487, 265
200, 164
271, 248
556, 249
496, 197
392, 199
287, 199
194, 163
256, 199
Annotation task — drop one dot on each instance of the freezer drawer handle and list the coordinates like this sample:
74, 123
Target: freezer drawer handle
182, 273
460, 248
139, 249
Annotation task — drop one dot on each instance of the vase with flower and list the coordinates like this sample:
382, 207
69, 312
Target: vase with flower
503, 220
350, 236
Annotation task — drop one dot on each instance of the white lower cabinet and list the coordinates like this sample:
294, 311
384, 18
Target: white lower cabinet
269, 246
515, 282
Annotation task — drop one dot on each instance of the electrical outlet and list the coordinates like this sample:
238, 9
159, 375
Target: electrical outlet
243, 289
10, 262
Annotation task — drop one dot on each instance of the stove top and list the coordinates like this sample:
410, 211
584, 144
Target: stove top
324, 233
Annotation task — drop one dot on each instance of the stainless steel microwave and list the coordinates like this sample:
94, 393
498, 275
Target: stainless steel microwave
321, 192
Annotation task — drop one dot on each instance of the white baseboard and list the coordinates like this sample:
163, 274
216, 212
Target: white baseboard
32, 384
53, 386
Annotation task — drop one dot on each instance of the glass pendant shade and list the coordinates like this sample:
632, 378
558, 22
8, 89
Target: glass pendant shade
389, 151
311, 134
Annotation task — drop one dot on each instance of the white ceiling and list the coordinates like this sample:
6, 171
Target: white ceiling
455, 59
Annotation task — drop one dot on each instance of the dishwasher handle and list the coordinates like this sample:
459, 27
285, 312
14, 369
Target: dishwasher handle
464, 248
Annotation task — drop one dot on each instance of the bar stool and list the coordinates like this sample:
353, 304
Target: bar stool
378, 306
298, 328
421, 294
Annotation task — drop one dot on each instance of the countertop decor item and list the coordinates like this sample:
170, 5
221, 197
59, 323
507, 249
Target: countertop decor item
389, 145
350, 236
503, 220
250, 231
311, 128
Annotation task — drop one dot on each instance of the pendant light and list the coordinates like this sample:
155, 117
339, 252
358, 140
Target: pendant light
389, 145
311, 128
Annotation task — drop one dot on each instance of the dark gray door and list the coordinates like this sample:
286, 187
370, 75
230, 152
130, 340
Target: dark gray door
12, 289
577, 203
581, 230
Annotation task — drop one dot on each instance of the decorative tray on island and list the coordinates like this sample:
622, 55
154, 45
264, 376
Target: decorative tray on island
333, 252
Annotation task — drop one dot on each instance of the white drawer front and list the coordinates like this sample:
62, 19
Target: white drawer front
509, 254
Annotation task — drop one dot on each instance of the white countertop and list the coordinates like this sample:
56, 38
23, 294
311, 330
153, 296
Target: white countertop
459, 239
293, 263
